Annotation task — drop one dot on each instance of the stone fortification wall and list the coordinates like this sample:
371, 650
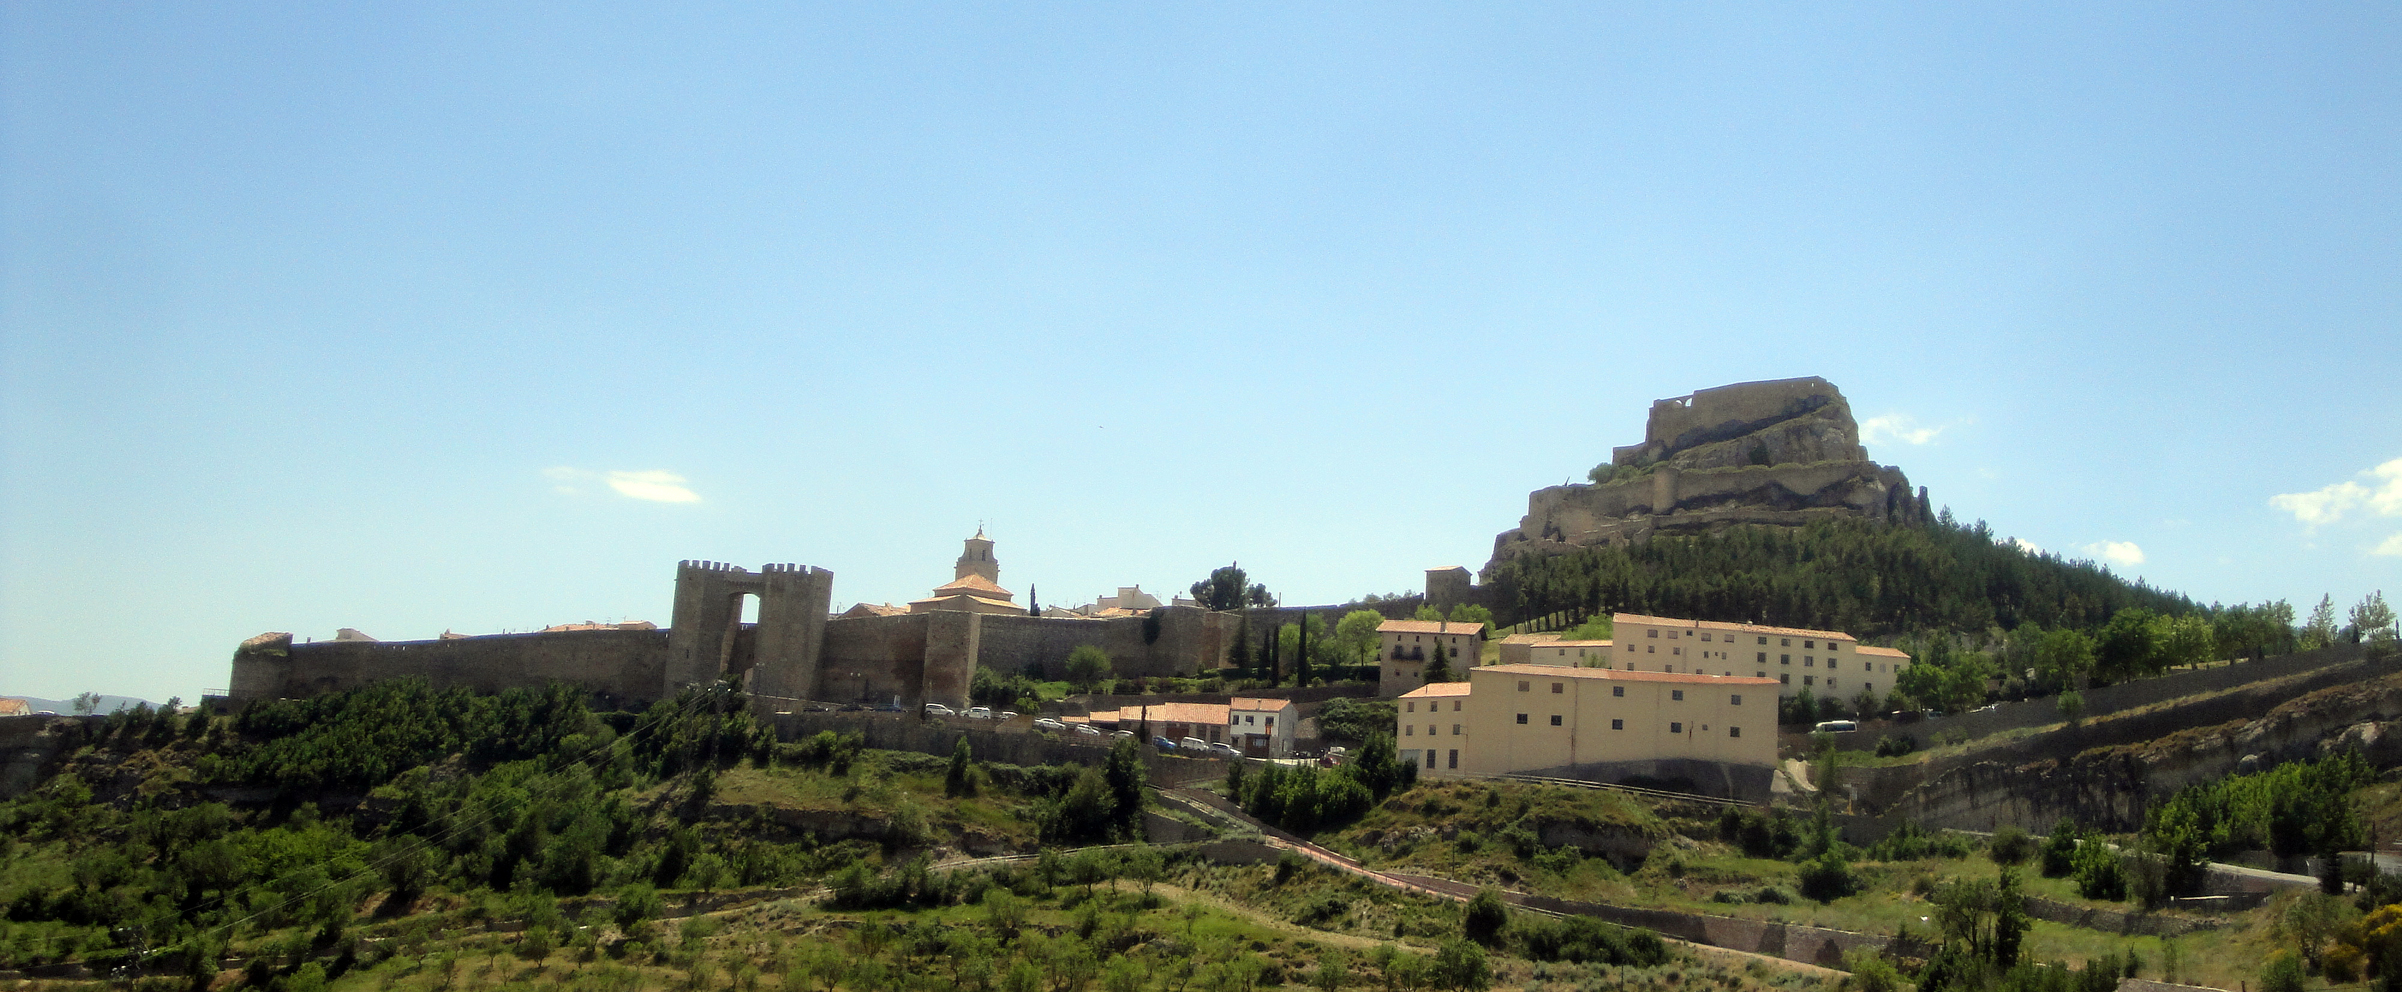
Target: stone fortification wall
621, 667
1781, 453
873, 659
1797, 420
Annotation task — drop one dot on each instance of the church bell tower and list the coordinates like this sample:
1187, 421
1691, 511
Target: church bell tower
977, 559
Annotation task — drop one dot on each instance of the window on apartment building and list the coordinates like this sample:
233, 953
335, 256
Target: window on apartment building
1705, 637
1784, 642
1763, 640
1558, 687
1870, 686
1651, 633
1617, 690
1734, 700
1455, 758
1455, 730
1763, 657
1411, 707
1734, 731
1521, 718
1430, 757
1271, 723
1809, 680
1808, 661
1555, 719
1456, 703
1830, 681
1676, 728
1409, 730
1677, 694
1784, 659
1759, 675
1785, 677
1650, 649
1617, 725
1833, 646
1430, 730
1830, 662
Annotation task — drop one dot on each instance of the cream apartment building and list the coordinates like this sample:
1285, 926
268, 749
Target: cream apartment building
1599, 724
1262, 728
1826, 662
1408, 645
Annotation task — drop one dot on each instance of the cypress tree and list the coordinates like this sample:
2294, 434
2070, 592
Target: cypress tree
1301, 663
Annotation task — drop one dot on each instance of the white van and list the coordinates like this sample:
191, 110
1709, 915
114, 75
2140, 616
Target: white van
1193, 744
1837, 727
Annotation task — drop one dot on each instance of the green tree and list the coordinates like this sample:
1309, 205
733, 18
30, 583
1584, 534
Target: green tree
2373, 621
1087, 666
1471, 613
1334, 972
1485, 917
1230, 588
1460, 966
2064, 659
1377, 764
2189, 640
2319, 630
1356, 635
1126, 777
1301, 659
960, 780
1438, 664
1425, 612
2072, 708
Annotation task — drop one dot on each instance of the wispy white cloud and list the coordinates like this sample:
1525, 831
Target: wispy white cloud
2329, 504
2122, 553
651, 485
2392, 547
2027, 546
654, 485
1899, 427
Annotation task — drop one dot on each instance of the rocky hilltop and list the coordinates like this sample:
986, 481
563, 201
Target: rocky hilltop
1782, 452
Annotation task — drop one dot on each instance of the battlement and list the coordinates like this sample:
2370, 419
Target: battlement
714, 566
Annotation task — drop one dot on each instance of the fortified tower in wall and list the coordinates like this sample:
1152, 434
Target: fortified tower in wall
1785, 451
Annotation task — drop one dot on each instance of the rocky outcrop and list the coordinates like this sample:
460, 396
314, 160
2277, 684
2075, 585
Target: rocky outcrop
1783, 452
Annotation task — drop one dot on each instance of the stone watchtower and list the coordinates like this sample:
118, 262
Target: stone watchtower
779, 657
977, 559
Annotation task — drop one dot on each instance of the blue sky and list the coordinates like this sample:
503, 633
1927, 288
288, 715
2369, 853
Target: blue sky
415, 317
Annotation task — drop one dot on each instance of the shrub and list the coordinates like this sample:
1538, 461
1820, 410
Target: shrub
2010, 846
1827, 877
2060, 851
1896, 745
1485, 917
2282, 972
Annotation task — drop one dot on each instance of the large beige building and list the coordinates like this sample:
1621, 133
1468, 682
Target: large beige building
1827, 662
1408, 645
1599, 724
975, 586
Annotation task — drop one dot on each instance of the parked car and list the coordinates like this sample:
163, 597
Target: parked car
1115, 734
1225, 750
1163, 743
979, 712
1047, 723
938, 709
1337, 751
1006, 715
1836, 727
1087, 729
1192, 744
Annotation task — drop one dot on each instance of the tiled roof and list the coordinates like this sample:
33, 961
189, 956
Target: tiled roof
1556, 671
1884, 652
1748, 628
1427, 627
1574, 644
15, 707
973, 583
1175, 713
1253, 703
1530, 638
1437, 689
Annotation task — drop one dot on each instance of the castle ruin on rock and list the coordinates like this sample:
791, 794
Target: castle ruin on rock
1783, 452
794, 654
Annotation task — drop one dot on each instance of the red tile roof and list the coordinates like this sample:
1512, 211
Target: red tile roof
1438, 689
1252, 703
1884, 652
1748, 628
1427, 627
1561, 671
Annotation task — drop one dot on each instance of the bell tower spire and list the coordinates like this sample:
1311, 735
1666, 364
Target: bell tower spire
977, 559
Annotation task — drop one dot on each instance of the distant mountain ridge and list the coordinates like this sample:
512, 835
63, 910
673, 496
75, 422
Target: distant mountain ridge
108, 704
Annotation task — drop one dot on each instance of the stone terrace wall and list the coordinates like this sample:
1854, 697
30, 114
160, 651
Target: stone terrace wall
873, 659
622, 667
905, 732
